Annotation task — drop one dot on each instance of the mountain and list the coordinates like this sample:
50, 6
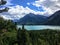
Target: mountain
54, 19
32, 19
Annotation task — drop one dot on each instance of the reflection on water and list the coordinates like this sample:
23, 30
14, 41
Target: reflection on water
38, 27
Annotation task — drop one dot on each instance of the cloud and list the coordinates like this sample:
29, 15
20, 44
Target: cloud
20, 10
8, 3
17, 12
49, 6
28, 3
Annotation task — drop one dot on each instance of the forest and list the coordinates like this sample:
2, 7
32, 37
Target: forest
10, 35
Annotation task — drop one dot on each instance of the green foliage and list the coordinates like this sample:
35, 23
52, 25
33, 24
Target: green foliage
10, 35
48, 37
7, 24
38, 37
8, 32
23, 37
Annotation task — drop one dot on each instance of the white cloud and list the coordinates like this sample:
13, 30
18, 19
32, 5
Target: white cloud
20, 10
8, 3
37, 5
50, 6
28, 3
17, 12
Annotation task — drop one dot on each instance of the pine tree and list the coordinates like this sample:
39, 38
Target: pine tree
23, 37
2, 3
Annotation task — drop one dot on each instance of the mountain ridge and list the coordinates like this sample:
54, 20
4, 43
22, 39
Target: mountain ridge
54, 19
32, 19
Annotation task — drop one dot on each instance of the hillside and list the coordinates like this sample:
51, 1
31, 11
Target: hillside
8, 32
54, 19
10, 35
39, 37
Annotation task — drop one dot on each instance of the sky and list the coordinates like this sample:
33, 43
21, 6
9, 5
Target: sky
19, 8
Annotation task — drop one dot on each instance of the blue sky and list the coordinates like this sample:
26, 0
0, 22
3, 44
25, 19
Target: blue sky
24, 4
19, 8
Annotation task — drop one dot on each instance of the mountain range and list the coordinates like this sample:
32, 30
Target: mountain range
33, 19
54, 19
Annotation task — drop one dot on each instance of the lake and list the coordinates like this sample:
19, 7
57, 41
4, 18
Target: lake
39, 27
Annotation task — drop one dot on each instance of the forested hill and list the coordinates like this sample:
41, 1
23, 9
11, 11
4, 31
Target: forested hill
7, 24
9, 35
8, 32
39, 37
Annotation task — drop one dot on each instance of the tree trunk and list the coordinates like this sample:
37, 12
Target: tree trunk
22, 27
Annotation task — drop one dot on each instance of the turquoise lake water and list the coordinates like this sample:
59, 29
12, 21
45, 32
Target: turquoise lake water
38, 27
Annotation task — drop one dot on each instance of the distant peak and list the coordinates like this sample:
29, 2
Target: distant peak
57, 11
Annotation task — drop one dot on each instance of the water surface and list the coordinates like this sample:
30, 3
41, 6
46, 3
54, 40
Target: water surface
38, 27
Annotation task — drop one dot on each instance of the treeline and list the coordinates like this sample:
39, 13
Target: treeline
6, 24
10, 35
8, 32
39, 37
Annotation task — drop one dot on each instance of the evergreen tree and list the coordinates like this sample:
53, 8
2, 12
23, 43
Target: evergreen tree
23, 37
2, 3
